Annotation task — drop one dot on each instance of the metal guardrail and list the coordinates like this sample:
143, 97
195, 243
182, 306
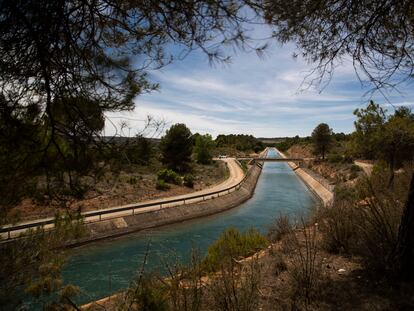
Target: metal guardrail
132, 207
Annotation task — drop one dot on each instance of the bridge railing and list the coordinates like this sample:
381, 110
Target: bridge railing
10, 231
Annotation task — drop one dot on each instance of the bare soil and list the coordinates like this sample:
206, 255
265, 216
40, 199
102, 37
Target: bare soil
334, 173
136, 184
341, 284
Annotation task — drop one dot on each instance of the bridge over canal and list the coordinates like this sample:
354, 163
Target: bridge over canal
253, 160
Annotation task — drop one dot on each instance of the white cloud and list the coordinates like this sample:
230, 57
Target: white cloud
251, 95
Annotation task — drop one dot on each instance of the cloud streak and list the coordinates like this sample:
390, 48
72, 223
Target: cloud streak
253, 96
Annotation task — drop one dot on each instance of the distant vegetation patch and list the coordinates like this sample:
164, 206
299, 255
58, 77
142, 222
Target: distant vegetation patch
231, 245
169, 176
240, 142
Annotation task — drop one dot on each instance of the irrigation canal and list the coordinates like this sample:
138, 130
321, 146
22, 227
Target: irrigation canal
106, 267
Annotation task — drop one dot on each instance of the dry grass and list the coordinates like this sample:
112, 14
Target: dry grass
134, 184
364, 222
280, 227
236, 287
343, 262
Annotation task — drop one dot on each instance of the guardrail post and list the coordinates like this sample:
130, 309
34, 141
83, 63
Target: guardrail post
204, 198
160, 205
8, 235
184, 201
133, 211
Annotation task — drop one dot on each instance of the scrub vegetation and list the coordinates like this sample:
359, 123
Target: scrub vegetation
233, 245
339, 257
65, 66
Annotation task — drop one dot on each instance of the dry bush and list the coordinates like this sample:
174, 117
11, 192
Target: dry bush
280, 227
338, 227
236, 287
364, 220
278, 263
180, 290
185, 286
148, 292
305, 267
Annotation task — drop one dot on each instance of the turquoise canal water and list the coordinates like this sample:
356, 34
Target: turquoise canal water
106, 267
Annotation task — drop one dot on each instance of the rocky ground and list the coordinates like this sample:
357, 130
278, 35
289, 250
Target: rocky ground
334, 171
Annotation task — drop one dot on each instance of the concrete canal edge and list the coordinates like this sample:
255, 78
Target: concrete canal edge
325, 196
116, 227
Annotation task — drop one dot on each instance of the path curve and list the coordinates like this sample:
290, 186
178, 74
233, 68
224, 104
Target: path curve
366, 167
236, 175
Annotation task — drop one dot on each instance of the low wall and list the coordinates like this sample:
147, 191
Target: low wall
132, 223
323, 194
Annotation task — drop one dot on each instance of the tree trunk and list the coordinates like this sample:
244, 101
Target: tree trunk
405, 242
392, 174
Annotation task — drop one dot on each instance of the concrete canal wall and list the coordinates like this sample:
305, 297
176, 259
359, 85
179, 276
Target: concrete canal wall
132, 223
323, 194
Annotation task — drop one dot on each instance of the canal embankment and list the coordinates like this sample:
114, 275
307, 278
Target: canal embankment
123, 225
174, 214
325, 196
102, 269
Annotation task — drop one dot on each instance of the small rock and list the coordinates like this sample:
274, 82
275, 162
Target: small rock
341, 271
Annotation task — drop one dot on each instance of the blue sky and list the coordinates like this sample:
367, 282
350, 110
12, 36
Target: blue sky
251, 95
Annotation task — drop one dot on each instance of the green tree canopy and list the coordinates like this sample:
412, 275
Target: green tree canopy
240, 142
389, 138
322, 139
140, 150
176, 147
377, 35
396, 141
58, 56
203, 148
367, 127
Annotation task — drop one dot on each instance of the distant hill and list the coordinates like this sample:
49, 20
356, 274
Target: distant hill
273, 140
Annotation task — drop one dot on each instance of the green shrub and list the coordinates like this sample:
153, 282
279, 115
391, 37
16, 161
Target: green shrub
244, 166
233, 244
347, 159
335, 158
355, 168
77, 190
353, 175
147, 293
161, 185
188, 181
132, 180
169, 176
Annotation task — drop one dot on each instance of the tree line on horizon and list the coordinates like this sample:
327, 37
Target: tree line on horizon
378, 135
64, 64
